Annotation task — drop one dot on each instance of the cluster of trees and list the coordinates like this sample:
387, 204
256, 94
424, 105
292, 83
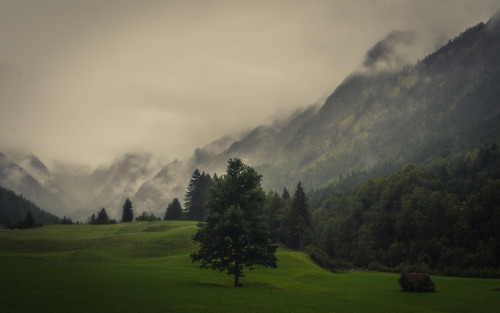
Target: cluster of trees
27, 222
66, 221
233, 235
101, 218
145, 217
288, 218
14, 210
194, 204
194, 199
446, 219
243, 223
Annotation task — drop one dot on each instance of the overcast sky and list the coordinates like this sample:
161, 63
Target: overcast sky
84, 81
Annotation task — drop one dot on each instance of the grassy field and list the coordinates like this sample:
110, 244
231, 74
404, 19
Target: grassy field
145, 267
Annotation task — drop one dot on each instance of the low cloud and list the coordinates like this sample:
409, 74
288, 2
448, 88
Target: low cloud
398, 49
84, 81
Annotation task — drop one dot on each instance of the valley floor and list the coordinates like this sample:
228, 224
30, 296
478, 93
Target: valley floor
145, 267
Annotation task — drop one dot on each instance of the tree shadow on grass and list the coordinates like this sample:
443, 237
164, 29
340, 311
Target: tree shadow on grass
204, 284
251, 284
260, 285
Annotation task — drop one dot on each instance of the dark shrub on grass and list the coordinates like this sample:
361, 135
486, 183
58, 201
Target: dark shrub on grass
319, 256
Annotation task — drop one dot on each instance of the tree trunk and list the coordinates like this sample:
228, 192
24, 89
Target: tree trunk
237, 280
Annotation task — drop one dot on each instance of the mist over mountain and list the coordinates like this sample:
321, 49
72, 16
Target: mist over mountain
388, 111
74, 191
27, 175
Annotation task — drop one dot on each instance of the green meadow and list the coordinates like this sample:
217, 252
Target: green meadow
146, 267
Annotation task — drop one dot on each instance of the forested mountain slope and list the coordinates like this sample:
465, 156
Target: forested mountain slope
425, 112
14, 208
445, 104
446, 219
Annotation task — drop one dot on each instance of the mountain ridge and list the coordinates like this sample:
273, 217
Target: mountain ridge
414, 113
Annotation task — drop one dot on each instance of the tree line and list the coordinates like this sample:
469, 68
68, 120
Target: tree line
445, 219
17, 212
194, 205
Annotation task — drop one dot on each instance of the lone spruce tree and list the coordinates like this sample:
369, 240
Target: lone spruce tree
128, 212
233, 235
174, 210
298, 220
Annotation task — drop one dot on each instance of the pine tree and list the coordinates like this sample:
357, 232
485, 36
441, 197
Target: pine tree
233, 235
194, 200
29, 221
128, 212
174, 210
274, 213
102, 217
299, 219
286, 194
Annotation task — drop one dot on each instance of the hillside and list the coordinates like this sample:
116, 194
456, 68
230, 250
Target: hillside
75, 191
444, 220
28, 176
444, 105
423, 112
13, 209
145, 267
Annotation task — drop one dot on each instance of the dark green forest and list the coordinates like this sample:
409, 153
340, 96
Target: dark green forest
443, 219
15, 208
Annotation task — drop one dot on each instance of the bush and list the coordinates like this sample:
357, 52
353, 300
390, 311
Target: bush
375, 266
319, 256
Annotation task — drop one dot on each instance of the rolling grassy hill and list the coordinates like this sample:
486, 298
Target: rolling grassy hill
145, 267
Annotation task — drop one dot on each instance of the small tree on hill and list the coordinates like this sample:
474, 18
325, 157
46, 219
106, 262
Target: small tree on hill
102, 217
145, 217
233, 235
174, 210
128, 212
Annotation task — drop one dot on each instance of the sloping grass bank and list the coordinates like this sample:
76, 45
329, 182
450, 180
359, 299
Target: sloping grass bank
145, 267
